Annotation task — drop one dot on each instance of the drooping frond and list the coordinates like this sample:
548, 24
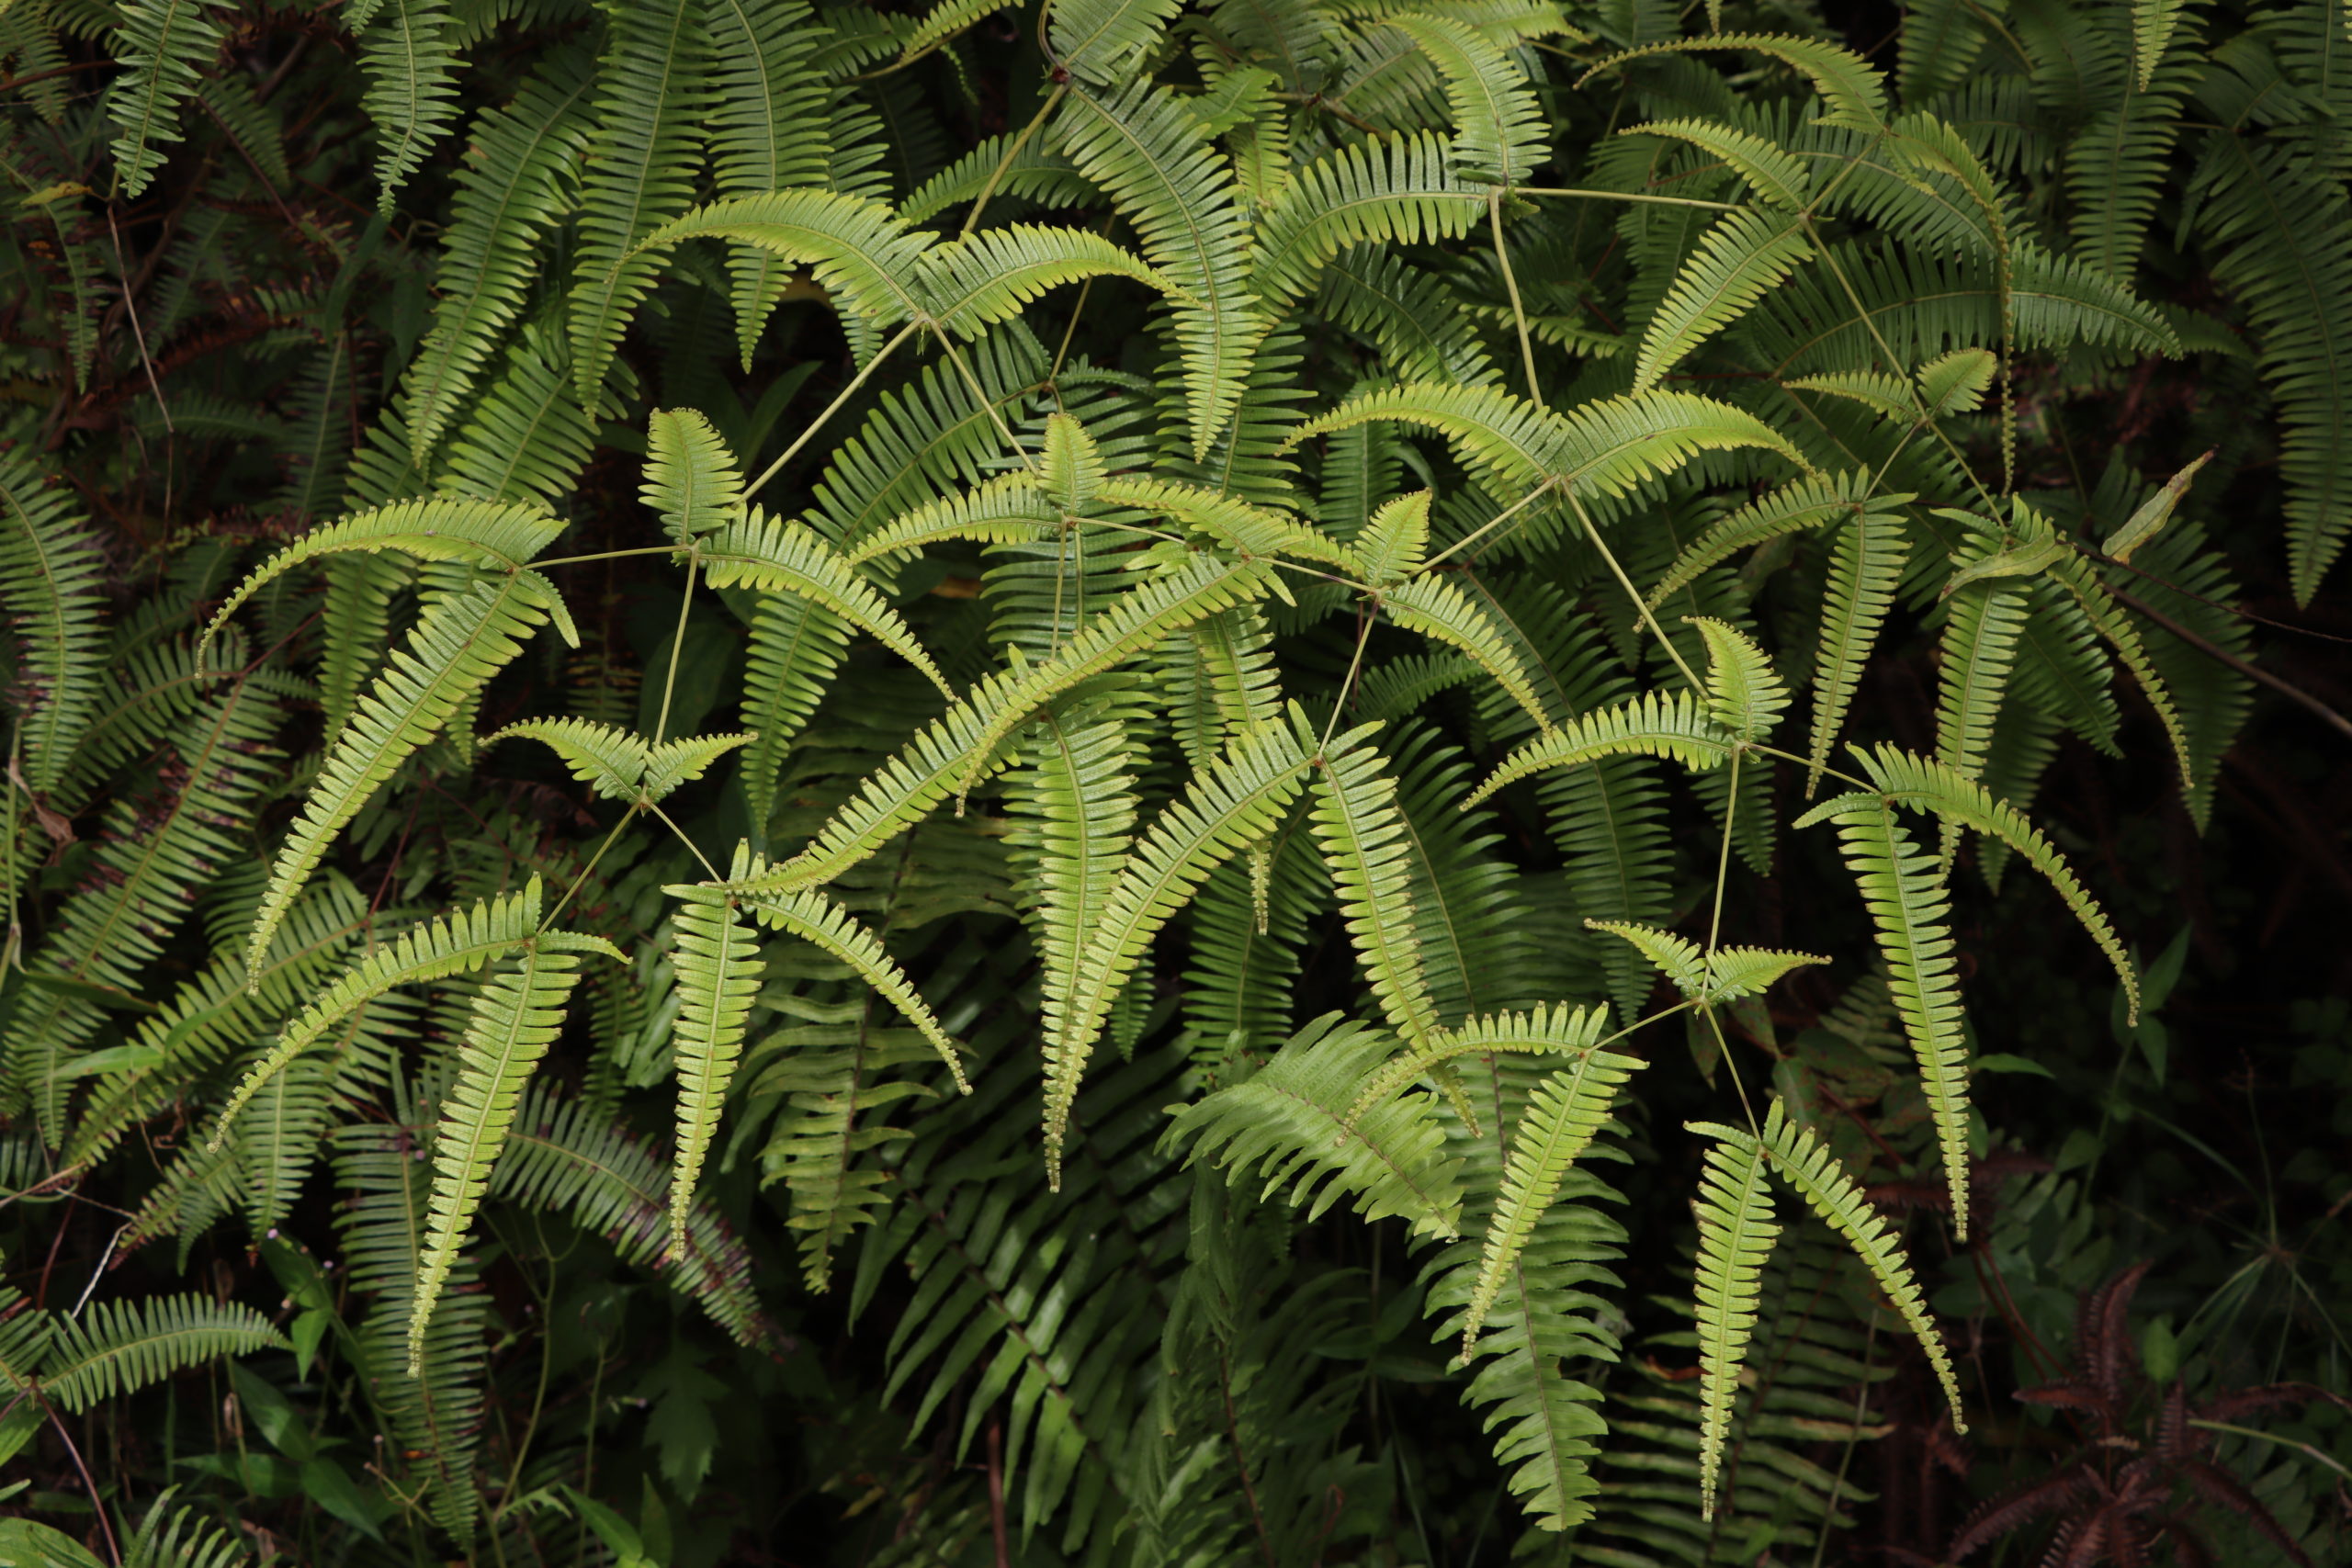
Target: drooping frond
1962, 801
1080, 787
1808, 503
50, 573
1851, 90
1681, 960
412, 95
452, 652
1546, 1030
1655, 725
2080, 578
790, 557
1911, 910
1777, 176
1979, 652
815, 919
1357, 822
1564, 1113
1438, 610
495, 536
716, 959
769, 130
1501, 135
857, 247
1744, 254
1093, 40
515, 1017
1286, 1122
1400, 190
1736, 1234
1811, 1168
1235, 802
452, 944
1157, 162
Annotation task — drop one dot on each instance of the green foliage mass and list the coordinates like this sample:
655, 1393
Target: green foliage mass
1133, 782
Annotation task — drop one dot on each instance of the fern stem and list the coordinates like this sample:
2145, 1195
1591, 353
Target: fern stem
1722, 859
1640, 604
1511, 285
1626, 196
1348, 683
832, 409
695, 849
607, 555
1488, 526
627, 817
996, 176
677, 651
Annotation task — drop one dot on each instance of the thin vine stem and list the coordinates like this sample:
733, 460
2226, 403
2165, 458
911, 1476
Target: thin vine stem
824, 414
1640, 604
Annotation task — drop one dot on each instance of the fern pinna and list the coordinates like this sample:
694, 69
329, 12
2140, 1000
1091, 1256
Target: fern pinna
1080, 653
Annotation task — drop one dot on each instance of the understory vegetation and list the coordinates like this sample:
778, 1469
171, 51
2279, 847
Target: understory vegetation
1175, 783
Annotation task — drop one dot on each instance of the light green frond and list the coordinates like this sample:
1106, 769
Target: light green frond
1556, 1031
716, 958
1979, 651
452, 653
495, 536
1808, 503
1286, 1123
1911, 910
1235, 802
1564, 1114
969, 285
1658, 724
1434, 607
691, 478
51, 578
1081, 789
412, 95
1956, 383
2081, 579
1159, 166
790, 557
1096, 41
1775, 173
515, 1017
1363, 833
857, 246
675, 763
117, 1347
816, 919
1811, 1168
942, 22
2153, 22
164, 48
1394, 541
1008, 509
1735, 972
1882, 392
1256, 532
1745, 693
1959, 799
1865, 566
1071, 465
1736, 1234
1681, 960
453, 944
617, 764
1850, 87
1501, 135
1400, 190
1745, 254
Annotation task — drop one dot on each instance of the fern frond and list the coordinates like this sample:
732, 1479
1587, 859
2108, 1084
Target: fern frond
1094, 41
1852, 90
452, 652
1254, 532
651, 98
1735, 972
1808, 503
1656, 725
1979, 651
1285, 1121
1736, 1234
1546, 1031
1745, 693
1233, 803
50, 576
1394, 542
412, 69
857, 247
1961, 800
117, 1347
789, 558
1681, 960
971, 284
815, 919
1500, 134
518, 1015
1438, 610
1564, 1114
1865, 566
1008, 509
1911, 910
1775, 173
716, 959
2080, 578
691, 478
1080, 788
1357, 822
1745, 254
1811, 1168
165, 47
495, 536
769, 130
1398, 191
1156, 162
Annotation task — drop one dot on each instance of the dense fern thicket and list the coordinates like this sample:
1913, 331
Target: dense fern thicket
1286, 781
